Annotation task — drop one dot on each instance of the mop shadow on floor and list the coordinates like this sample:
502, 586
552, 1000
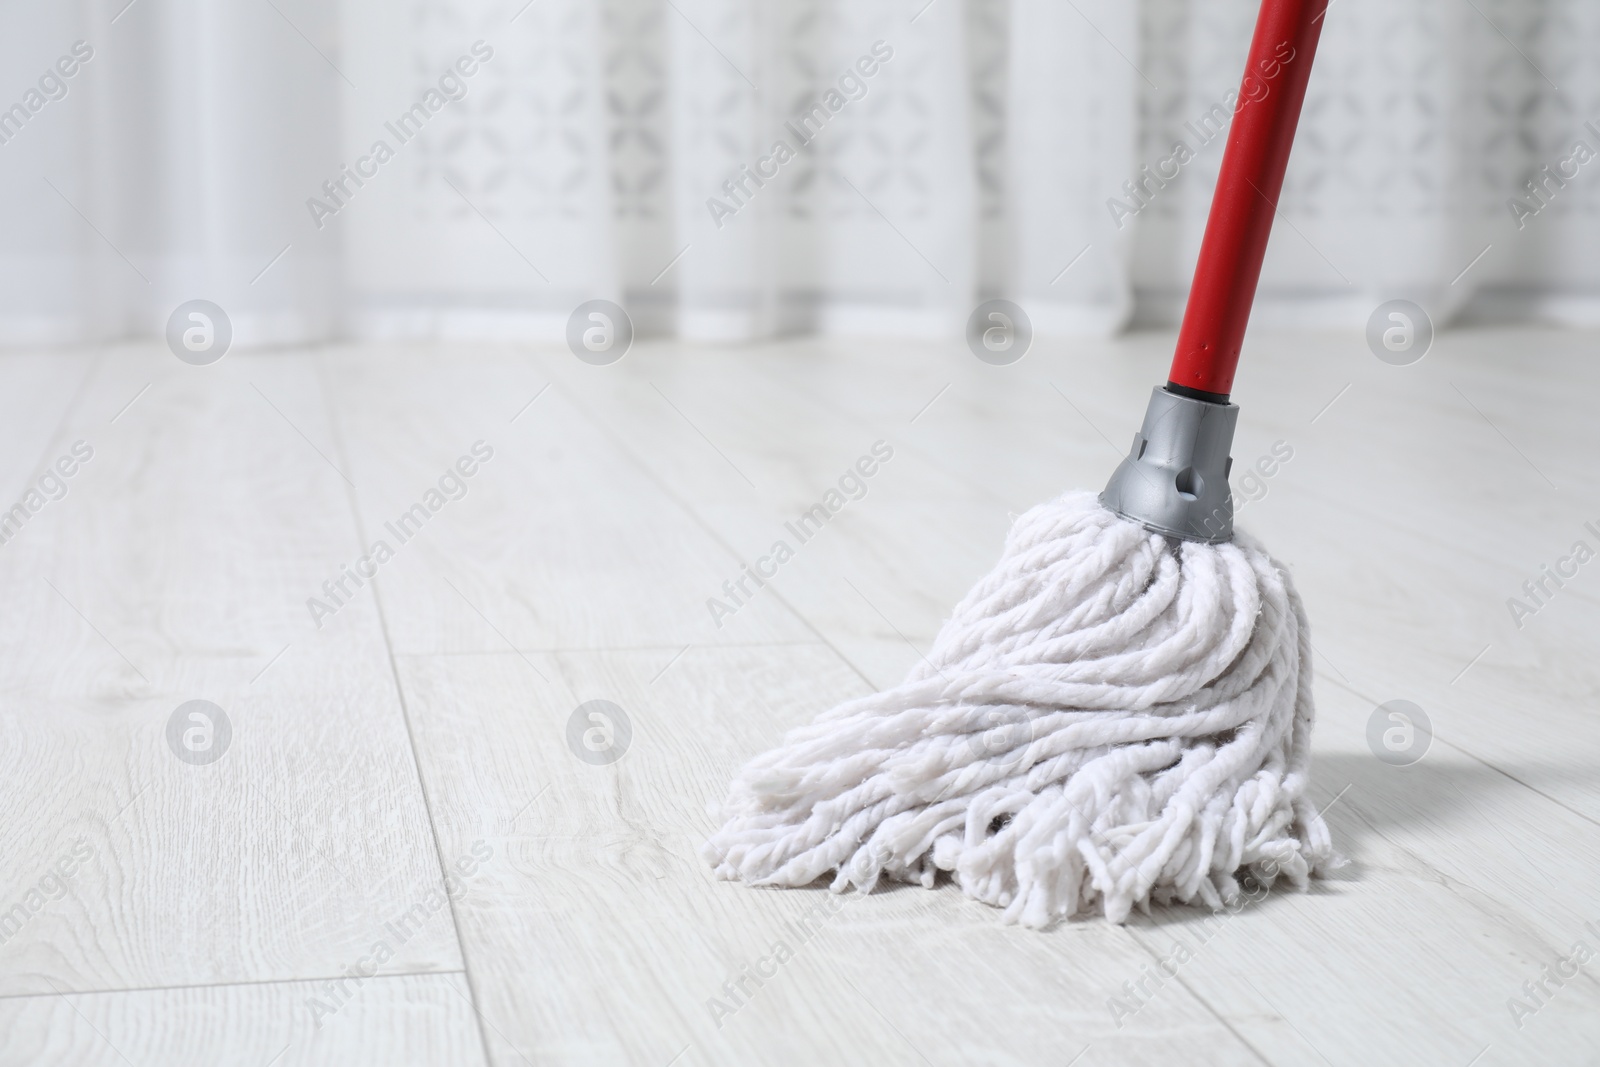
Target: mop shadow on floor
1445, 791
1447, 796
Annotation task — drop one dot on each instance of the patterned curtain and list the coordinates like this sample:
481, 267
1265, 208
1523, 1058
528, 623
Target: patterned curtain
728, 169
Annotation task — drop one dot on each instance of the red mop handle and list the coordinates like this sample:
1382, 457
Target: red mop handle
1235, 242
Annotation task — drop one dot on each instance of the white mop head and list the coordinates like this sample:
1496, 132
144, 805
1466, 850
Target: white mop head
1108, 718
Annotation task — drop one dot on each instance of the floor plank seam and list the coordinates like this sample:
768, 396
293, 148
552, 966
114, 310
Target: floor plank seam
330, 408
580, 650
67, 411
695, 517
250, 983
1350, 688
1179, 978
956, 476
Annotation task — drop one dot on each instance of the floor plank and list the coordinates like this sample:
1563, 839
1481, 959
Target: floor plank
41, 387
578, 566
1462, 885
559, 540
602, 886
177, 569
421, 1020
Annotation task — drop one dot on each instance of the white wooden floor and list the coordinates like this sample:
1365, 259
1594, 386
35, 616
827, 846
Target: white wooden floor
209, 911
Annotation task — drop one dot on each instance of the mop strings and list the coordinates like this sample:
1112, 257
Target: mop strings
1107, 719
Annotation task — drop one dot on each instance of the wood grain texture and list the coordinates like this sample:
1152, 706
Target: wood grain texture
176, 568
602, 885
423, 1020
559, 541
577, 567
40, 389
1463, 884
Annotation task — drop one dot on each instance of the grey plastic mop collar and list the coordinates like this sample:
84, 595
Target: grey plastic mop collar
1175, 479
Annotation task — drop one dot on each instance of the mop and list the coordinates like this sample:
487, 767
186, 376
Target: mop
1120, 713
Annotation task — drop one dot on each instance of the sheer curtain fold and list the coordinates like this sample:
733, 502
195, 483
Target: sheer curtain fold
728, 169
169, 164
